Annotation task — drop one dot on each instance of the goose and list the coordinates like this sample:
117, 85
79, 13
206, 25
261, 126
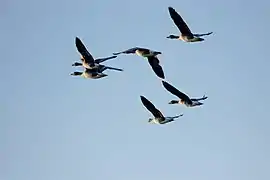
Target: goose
94, 73
186, 34
87, 59
151, 57
144, 52
158, 116
184, 99
88, 73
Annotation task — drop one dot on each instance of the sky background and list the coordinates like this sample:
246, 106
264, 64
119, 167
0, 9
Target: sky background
58, 127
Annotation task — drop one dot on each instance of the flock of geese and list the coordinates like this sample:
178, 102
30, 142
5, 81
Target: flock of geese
94, 69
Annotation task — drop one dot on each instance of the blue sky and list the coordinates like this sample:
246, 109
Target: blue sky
58, 127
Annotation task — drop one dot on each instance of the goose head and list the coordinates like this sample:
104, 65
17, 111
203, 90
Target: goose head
172, 37
77, 64
76, 73
173, 102
150, 120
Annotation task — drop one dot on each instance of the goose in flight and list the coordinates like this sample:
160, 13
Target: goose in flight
186, 34
144, 52
183, 98
95, 73
158, 116
87, 59
151, 57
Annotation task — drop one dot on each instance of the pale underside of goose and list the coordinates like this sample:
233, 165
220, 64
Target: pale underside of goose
158, 116
183, 98
89, 75
151, 57
186, 34
87, 59
95, 73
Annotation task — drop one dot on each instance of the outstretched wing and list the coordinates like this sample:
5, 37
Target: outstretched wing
199, 99
132, 51
128, 51
205, 34
100, 60
84, 52
176, 92
179, 22
154, 63
156, 113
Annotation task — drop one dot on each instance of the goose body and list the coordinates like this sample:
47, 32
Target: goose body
151, 57
87, 59
183, 98
95, 73
89, 74
185, 33
158, 116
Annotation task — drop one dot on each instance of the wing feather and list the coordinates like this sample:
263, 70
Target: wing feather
154, 63
179, 22
84, 52
150, 107
176, 92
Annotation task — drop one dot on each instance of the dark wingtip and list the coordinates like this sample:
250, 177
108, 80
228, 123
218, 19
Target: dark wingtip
77, 40
171, 9
142, 97
164, 82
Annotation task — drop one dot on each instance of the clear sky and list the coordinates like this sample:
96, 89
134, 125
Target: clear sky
58, 127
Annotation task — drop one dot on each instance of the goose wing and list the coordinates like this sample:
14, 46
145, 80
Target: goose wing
150, 107
176, 92
154, 63
131, 51
84, 52
179, 22
100, 60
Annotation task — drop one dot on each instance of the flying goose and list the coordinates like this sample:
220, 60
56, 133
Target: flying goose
186, 34
184, 99
158, 116
144, 52
151, 57
87, 59
95, 73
